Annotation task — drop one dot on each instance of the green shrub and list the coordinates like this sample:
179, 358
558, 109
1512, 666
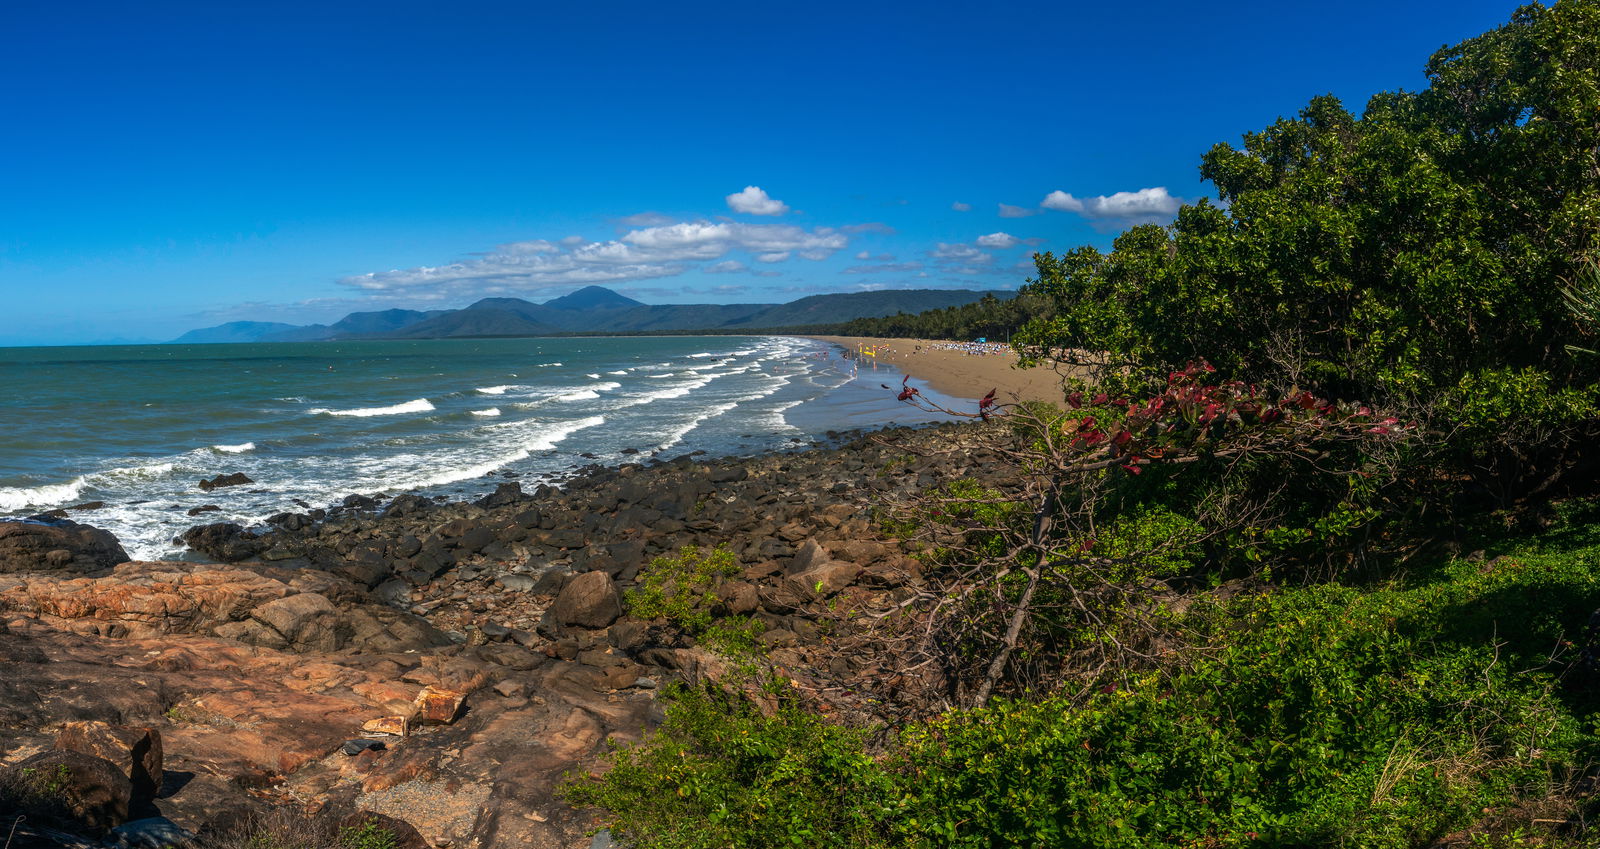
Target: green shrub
1309, 716
719, 773
679, 589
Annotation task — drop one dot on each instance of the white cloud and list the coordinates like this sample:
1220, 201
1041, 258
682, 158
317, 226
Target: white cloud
532, 246
958, 206
640, 254
864, 255
998, 240
960, 253
754, 201
1009, 211
573, 241
1145, 206
727, 266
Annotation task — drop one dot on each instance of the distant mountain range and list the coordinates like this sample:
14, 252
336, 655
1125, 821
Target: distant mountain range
590, 310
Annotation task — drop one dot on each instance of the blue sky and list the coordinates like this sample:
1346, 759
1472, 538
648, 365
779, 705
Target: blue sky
170, 165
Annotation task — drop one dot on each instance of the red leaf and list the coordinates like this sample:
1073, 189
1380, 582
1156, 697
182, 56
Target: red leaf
1131, 469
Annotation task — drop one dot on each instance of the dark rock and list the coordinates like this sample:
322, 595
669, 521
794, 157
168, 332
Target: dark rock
93, 789
738, 597
494, 631
235, 479
628, 635
150, 833
359, 502
405, 546
225, 541
359, 745
88, 505
407, 505
589, 600
476, 539
135, 750
732, 474
504, 495
25, 546
208, 508
824, 579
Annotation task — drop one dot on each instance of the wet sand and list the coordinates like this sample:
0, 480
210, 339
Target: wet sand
955, 372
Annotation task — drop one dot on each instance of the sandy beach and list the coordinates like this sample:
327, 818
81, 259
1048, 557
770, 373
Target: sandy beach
956, 369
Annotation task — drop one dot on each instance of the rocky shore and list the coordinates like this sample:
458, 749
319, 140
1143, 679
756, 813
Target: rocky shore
441, 664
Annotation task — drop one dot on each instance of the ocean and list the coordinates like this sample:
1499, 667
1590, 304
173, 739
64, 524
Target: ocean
138, 427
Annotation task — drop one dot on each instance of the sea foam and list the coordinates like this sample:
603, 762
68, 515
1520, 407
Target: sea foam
420, 405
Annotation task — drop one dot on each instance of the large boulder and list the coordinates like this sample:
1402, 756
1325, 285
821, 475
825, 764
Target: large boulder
136, 750
57, 545
589, 600
92, 789
225, 541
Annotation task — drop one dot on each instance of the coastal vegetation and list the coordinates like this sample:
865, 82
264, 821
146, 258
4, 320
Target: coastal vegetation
1305, 558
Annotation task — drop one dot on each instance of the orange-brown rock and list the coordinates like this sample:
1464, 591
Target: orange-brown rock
136, 750
396, 725
436, 706
298, 610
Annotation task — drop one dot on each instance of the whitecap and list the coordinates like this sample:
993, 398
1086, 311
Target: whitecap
420, 405
495, 390
234, 449
492, 411
619, 371
580, 395
592, 376
17, 498
701, 354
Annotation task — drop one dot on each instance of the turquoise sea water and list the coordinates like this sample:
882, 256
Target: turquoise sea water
138, 426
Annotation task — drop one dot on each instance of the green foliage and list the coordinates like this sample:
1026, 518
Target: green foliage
1499, 400
1312, 716
368, 835
1392, 257
720, 773
679, 589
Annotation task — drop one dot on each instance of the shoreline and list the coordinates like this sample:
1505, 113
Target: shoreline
945, 367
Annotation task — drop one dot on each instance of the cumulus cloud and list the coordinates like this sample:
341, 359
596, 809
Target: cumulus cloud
868, 255
1009, 211
958, 206
1145, 206
640, 254
754, 201
727, 266
998, 240
960, 253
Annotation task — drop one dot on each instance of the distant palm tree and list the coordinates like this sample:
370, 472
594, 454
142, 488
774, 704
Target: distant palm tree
1583, 298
